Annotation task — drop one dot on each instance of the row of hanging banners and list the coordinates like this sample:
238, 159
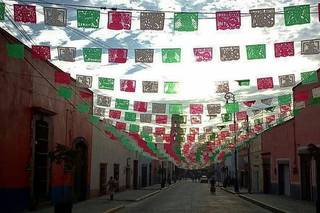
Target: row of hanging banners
170, 55
87, 18
17, 51
182, 21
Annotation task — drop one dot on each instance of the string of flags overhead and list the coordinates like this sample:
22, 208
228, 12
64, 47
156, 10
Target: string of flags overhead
154, 20
171, 55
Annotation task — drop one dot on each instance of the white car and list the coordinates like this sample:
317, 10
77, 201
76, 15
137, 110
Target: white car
204, 179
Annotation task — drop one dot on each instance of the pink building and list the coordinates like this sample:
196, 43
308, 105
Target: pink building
288, 166
33, 120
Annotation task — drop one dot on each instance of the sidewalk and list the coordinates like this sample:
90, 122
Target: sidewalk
276, 203
104, 205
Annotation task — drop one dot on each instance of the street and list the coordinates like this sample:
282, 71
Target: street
192, 197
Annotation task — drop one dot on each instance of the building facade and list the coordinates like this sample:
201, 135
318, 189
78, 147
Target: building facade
34, 120
289, 167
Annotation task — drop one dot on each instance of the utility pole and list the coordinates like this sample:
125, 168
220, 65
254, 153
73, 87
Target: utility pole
249, 157
230, 95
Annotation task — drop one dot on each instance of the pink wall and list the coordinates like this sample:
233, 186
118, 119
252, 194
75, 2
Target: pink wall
22, 88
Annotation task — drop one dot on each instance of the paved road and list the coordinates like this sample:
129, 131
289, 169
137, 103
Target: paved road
192, 197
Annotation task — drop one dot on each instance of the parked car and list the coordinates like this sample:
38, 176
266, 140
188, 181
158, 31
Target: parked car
204, 179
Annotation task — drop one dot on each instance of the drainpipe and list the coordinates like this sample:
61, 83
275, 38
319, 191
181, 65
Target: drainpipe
249, 158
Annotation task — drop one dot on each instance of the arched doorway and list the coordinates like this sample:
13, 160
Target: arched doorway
80, 169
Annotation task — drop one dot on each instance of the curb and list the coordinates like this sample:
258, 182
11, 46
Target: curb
263, 205
147, 195
115, 209
256, 202
229, 191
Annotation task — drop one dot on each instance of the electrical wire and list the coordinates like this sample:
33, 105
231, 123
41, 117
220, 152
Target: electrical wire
133, 9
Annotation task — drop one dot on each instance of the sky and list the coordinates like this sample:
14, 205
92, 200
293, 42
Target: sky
197, 79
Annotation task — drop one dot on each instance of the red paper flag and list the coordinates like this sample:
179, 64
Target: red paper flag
117, 55
228, 20
140, 106
160, 130
119, 20
241, 115
233, 127
62, 77
25, 13
127, 85
167, 138
194, 131
84, 94
161, 119
265, 83
249, 103
121, 125
191, 138
116, 114
196, 108
225, 133
41, 52
285, 108
203, 54
301, 96
258, 127
270, 119
284, 49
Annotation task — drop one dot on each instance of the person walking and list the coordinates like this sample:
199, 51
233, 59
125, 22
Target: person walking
111, 187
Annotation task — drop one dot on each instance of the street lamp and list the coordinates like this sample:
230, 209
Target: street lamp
230, 96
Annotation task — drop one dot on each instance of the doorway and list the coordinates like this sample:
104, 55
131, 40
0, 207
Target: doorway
150, 173
41, 163
284, 179
80, 170
266, 176
103, 179
144, 175
116, 168
305, 162
135, 174
128, 177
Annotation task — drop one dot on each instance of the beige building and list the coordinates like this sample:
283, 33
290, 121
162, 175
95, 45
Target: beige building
111, 158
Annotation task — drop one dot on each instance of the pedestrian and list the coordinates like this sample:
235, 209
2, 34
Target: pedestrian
111, 186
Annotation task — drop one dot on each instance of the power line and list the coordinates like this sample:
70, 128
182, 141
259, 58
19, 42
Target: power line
133, 9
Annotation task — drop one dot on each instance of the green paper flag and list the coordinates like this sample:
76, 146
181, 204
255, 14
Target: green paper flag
122, 104
280, 120
15, 51
2, 11
294, 15
226, 117
232, 107
258, 121
314, 101
94, 119
92, 54
170, 87
296, 112
270, 109
88, 18
83, 107
106, 83
309, 77
134, 128
171, 55
257, 51
213, 136
175, 109
130, 116
65, 92
185, 21
244, 82
284, 99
